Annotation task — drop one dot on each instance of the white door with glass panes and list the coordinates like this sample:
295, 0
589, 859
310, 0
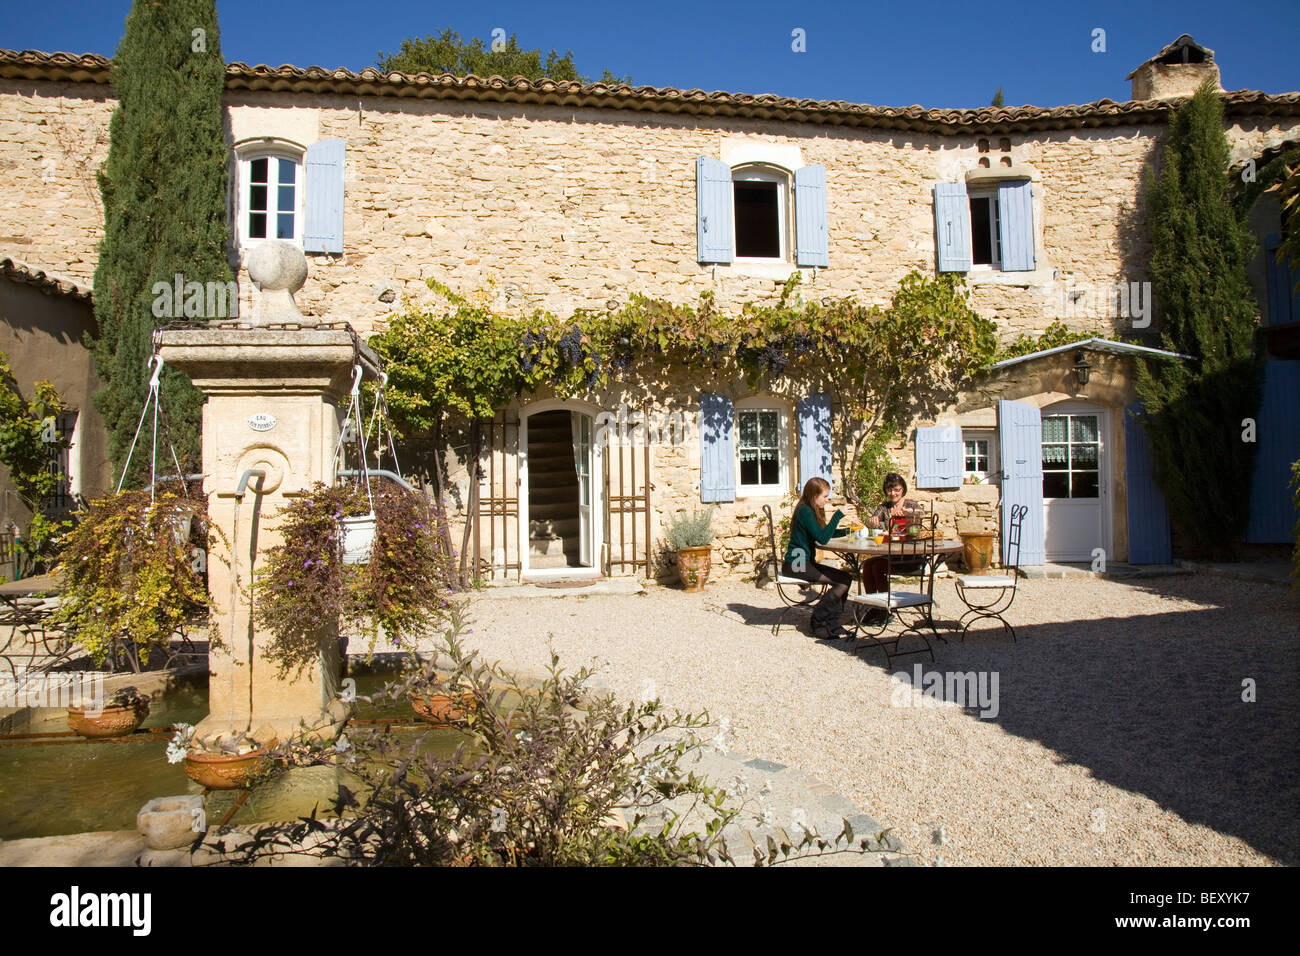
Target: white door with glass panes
581, 425
1075, 482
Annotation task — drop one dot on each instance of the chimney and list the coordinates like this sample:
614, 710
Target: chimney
1177, 70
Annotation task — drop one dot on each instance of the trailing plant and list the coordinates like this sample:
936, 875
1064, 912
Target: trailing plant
879, 364
132, 578
1194, 410
690, 531
549, 776
304, 587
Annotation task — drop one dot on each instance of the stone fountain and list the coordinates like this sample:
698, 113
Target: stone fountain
270, 427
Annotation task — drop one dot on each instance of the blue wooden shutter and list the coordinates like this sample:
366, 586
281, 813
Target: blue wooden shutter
1283, 296
1277, 430
812, 244
713, 209
1020, 440
814, 438
1148, 515
939, 457
1016, 225
717, 448
322, 228
952, 227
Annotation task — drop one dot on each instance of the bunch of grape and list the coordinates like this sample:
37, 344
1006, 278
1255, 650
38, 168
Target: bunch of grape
802, 344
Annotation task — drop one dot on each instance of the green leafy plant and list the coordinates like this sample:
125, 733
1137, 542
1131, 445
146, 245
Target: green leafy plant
131, 580
304, 586
690, 531
874, 463
27, 438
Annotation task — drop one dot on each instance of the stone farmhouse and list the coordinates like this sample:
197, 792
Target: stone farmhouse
559, 196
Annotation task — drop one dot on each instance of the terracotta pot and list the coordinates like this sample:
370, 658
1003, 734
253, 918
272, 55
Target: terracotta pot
222, 771
693, 566
441, 709
110, 722
977, 550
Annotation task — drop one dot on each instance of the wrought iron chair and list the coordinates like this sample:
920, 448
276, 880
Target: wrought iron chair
904, 558
786, 586
990, 595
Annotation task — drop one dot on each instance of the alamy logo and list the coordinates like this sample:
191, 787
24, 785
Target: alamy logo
74, 908
81, 689
637, 428
195, 300
1107, 300
953, 688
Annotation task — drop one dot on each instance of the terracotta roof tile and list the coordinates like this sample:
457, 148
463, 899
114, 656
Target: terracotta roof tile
92, 68
20, 271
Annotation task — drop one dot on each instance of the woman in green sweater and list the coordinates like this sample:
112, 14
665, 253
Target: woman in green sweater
809, 528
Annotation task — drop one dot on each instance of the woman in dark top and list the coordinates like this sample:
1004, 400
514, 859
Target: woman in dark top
896, 510
809, 528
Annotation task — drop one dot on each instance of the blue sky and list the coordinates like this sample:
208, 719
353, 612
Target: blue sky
938, 53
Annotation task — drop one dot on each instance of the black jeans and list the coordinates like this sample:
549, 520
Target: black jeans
826, 614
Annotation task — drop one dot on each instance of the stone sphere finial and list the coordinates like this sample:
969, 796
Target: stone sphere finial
278, 269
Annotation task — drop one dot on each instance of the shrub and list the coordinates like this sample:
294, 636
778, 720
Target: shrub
690, 531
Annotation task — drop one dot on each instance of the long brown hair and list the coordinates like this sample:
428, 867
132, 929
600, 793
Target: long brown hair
811, 489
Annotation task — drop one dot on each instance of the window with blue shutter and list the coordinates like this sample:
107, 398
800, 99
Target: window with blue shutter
939, 457
814, 438
952, 227
713, 210
323, 197
1020, 440
717, 448
812, 242
1016, 225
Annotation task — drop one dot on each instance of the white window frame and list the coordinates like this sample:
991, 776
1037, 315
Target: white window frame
245, 154
782, 486
985, 435
765, 173
995, 228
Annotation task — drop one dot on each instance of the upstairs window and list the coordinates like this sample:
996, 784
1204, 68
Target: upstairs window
270, 196
990, 227
986, 243
759, 213
761, 201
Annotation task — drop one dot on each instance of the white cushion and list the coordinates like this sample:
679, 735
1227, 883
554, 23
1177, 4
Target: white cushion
883, 599
985, 581
796, 582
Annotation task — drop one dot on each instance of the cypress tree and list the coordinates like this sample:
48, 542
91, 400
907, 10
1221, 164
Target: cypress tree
164, 191
1195, 409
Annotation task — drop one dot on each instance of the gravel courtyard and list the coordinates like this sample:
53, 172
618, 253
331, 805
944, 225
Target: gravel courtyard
1120, 738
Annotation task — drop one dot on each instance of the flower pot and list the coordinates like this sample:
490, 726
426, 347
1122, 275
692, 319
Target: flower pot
222, 771
358, 537
977, 550
441, 709
109, 722
693, 566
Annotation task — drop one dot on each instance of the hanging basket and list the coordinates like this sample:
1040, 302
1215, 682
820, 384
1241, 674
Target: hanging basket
358, 538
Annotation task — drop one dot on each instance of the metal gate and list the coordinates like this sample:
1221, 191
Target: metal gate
496, 525
627, 508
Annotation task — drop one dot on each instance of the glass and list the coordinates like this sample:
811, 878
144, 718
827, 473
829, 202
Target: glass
1056, 484
257, 225
1084, 456
288, 171
1055, 428
767, 429
257, 170
285, 198
284, 226
1083, 428
257, 198
749, 470
771, 468
748, 429
1055, 455
1084, 484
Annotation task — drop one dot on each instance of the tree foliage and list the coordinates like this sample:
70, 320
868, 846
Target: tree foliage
1195, 410
164, 191
447, 53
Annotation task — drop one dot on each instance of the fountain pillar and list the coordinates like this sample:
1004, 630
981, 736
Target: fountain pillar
273, 387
